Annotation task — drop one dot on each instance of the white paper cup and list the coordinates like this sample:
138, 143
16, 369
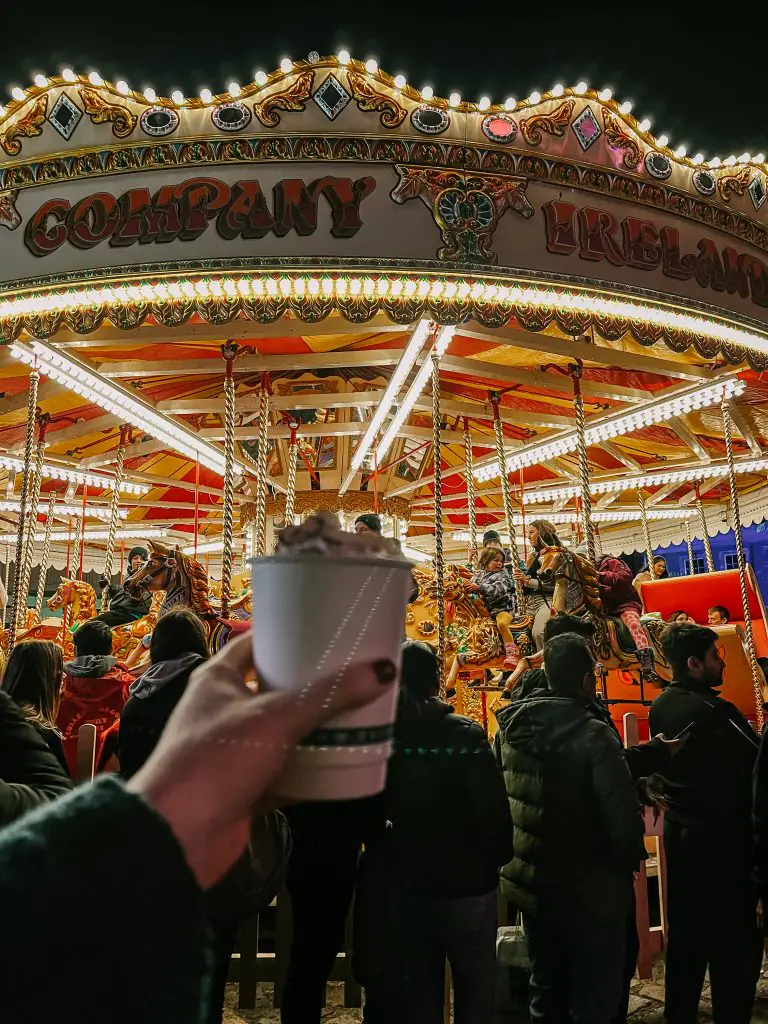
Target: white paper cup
316, 616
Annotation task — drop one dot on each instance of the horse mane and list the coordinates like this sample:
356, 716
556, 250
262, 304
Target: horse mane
198, 583
590, 584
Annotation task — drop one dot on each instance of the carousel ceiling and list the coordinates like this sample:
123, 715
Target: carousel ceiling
141, 234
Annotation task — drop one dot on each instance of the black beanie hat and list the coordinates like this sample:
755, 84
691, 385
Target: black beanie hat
490, 535
138, 551
371, 520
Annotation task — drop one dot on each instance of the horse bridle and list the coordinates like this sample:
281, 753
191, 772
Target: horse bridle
168, 565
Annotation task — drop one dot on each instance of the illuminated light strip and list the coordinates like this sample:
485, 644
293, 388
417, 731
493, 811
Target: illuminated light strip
206, 548
95, 511
620, 516
694, 397
84, 381
125, 533
76, 476
403, 368
443, 340
414, 554
629, 483
387, 286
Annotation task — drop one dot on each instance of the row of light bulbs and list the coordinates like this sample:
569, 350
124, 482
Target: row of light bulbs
384, 286
124, 533
64, 509
427, 93
74, 476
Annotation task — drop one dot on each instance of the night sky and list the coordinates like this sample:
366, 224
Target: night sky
700, 77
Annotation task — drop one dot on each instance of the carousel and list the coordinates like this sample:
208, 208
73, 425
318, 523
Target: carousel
330, 290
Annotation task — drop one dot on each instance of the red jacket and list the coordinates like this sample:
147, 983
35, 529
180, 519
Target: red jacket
616, 591
95, 690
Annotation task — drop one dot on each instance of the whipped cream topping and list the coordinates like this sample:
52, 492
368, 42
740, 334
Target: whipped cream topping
321, 535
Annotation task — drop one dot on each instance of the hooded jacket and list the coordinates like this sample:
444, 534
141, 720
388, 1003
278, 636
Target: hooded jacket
617, 591
95, 690
578, 830
152, 699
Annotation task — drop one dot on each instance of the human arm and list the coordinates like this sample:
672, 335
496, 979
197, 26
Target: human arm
30, 775
651, 758
613, 571
616, 797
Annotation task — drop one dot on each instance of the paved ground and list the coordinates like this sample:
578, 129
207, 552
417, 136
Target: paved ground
646, 1006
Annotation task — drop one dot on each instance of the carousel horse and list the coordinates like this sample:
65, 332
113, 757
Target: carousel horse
127, 639
76, 595
185, 582
33, 629
240, 603
577, 592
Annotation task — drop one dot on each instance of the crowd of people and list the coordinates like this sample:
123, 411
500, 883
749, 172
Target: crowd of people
154, 857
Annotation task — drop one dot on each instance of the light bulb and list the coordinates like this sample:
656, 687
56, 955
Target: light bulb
150, 95
400, 81
68, 75
730, 160
744, 158
759, 158
18, 93
645, 125
663, 140
343, 57
371, 66
626, 107
260, 78
510, 103
234, 89
535, 97
580, 88
698, 159
123, 87
483, 103
286, 65
41, 81
680, 152
427, 92
206, 95
95, 78
454, 99
558, 90
177, 96
605, 95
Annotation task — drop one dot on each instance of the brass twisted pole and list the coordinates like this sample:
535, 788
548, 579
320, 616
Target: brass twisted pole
229, 354
469, 463
45, 558
646, 531
585, 504
43, 420
293, 459
438, 486
758, 679
19, 609
506, 491
705, 531
261, 470
114, 508
689, 544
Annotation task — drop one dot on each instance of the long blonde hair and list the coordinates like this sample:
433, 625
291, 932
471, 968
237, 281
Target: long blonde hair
33, 677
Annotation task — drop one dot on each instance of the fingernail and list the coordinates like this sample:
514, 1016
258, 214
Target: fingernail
384, 671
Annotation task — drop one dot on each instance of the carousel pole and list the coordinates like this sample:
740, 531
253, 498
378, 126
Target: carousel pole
261, 470
438, 487
758, 680
229, 354
293, 459
469, 463
77, 541
43, 420
689, 544
19, 608
45, 558
646, 532
109, 557
507, 494
703, 520
585, 504
81, 557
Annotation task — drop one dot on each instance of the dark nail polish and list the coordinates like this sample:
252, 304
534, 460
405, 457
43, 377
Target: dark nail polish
385, 671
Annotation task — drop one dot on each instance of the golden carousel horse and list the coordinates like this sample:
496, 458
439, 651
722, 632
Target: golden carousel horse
184, 582
127, 639
240, 602
33, 629
77, 597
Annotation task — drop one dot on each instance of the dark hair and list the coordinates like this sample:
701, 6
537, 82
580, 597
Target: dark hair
673, 616
682, 641
93, 637
488, 555
724, 613
491, 535
371, 520
178, 632
648, 567
565, 623
419, 676
567, 659
33, 677
547, 532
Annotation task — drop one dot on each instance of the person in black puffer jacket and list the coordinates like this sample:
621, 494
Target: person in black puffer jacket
126, 607
578, 839
429, 877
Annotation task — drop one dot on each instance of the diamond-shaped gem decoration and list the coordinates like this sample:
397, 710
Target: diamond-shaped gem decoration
331, 97
65, 116
586, 129
757, 191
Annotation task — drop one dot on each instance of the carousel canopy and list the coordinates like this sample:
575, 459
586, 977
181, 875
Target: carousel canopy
340, 227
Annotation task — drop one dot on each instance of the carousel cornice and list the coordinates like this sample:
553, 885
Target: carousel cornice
350, 503
62, 508
52, 471
364, 79
447, 298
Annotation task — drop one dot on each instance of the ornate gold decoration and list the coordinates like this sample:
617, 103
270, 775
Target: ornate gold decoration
617, 138
291, 98
368, 99
99, 111
308, 502
26, 127
733, 184
284, 388
552, 124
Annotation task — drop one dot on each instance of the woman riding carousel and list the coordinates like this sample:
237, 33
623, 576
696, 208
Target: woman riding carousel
538, 596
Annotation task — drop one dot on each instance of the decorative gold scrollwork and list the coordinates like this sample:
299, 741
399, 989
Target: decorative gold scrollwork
99, 111
291, 98
555, 123
368, 99
26, 127
733, 184
618, 139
